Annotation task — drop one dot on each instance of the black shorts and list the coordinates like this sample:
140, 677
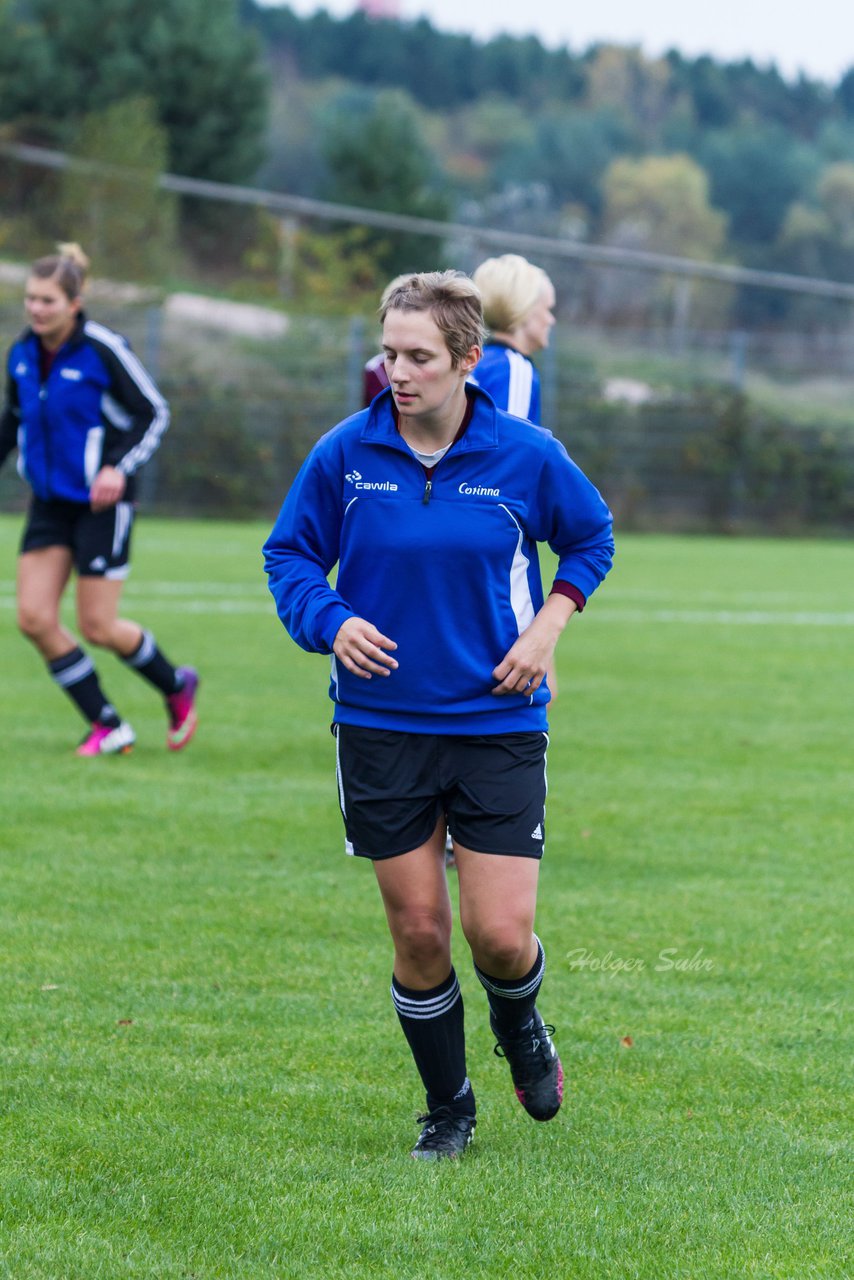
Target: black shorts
393, 787
99, 541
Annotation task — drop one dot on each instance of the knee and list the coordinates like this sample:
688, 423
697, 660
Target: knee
501, 947
95, 630
421, 937
35, 623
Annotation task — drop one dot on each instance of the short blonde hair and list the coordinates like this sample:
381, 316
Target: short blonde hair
453, 301
510, 287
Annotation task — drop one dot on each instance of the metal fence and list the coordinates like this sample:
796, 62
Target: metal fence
664, 423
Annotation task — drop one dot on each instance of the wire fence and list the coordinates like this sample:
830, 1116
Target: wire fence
668, 427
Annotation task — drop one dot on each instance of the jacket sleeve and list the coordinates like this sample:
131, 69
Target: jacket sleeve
302, 550
573, 518
135, 405
10, 420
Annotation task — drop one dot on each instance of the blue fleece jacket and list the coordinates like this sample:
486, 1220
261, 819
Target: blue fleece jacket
98, 406
447, 568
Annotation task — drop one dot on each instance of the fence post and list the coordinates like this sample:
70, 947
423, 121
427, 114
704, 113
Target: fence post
288, 230
548, 383
738, 358
682, 289
355, 362
151, 359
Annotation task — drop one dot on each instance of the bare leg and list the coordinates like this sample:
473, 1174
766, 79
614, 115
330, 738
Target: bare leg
42, 578
414, 890
97, 615
498, 899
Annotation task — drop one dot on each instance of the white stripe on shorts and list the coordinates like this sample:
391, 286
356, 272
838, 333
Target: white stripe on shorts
121, 529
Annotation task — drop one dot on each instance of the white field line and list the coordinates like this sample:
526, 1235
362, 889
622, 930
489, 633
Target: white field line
727, 617
244, 598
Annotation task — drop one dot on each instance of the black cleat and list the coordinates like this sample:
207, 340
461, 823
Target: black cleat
445, 1135
535, 1067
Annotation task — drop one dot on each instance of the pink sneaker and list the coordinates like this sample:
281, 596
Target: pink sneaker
182, 710
107, 740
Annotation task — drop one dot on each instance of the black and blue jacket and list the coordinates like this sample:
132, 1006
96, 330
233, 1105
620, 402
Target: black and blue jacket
444, 564
98, 406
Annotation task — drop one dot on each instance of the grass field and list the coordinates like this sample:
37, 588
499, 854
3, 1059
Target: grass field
202, 1075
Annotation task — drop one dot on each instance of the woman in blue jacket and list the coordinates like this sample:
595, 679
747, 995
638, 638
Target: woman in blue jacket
85, 415
432, 502
518, 308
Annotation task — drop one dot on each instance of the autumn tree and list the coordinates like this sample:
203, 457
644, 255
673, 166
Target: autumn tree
818, 236
111, 201
659, 204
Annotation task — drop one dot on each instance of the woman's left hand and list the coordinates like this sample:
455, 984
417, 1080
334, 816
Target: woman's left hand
108, 488
524, 666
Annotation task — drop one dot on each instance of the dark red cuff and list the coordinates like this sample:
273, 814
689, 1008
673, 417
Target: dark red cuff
562, 588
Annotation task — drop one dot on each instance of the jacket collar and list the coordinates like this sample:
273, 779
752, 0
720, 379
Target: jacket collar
73, 340
481, 433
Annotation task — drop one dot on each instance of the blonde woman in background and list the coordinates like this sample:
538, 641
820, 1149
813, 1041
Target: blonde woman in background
518, 308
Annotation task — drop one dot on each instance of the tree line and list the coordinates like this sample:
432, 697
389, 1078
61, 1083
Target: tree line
687, 156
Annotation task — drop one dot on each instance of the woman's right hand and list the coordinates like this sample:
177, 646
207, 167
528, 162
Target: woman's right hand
359, 645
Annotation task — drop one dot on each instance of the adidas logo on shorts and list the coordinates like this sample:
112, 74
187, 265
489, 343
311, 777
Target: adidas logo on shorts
537, 833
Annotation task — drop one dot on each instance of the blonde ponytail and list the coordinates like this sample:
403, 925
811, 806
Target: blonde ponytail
69, 267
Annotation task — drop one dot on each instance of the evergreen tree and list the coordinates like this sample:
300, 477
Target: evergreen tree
376, 158
61, 60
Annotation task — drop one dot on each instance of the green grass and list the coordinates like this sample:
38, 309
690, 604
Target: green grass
202, 1075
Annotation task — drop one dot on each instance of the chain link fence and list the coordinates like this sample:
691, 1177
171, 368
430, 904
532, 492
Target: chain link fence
666, 424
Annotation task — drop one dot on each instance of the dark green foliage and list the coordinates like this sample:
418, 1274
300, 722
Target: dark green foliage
755, 173
220, 451
845, 94
758, 469
715, 107
570, 153
63, 59
376, 158
439, 69
712, 461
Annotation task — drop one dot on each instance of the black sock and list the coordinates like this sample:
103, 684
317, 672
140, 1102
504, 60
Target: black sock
433, 1024
512, 1000
149, 662
75, 673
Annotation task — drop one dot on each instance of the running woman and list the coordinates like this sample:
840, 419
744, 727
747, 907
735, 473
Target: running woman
431, 502
85, 415
518, 308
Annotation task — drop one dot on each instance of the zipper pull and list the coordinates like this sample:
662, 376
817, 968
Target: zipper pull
427, 491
